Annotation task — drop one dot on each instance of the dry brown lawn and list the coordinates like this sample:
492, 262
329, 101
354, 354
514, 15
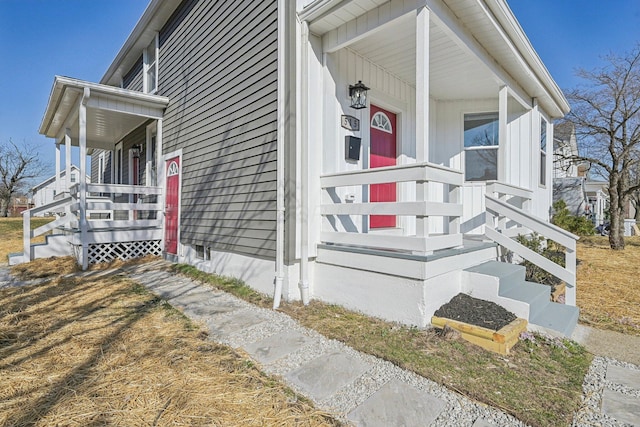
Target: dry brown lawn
608, 291
101, 350
11, 235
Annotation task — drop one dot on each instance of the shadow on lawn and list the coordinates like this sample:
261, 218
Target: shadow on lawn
39, 322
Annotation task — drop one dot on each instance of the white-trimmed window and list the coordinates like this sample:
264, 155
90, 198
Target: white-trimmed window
117, 169
101, 168
150, 70
543, 152
381, 122
151, 169
481, 142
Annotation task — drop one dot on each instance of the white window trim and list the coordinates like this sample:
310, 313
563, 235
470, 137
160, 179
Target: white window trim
101, 165
152, 131
385, 121
482, 147
117, 164
545, 152
146, 66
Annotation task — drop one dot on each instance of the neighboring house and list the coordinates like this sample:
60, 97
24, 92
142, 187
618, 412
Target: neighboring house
57, 185
598, 196
369, 153
568, 175
19, 204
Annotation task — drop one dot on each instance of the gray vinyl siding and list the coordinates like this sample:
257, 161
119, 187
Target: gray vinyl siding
218, 66
94, 166
133, 79
95, 162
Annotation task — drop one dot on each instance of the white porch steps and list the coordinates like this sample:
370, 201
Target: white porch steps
54, 245
504, 284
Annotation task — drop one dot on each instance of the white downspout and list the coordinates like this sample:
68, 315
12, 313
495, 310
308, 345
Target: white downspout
303, 284
280, 157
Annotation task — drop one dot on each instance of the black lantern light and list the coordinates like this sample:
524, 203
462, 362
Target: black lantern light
136, 150
358, 95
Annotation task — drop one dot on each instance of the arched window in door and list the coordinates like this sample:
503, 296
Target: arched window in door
381, 122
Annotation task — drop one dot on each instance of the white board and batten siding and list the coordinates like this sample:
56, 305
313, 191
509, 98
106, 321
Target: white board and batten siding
218, 66
343, 68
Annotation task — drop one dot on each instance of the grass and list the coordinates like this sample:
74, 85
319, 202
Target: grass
101, 350
11, 232
608, 291
540, 382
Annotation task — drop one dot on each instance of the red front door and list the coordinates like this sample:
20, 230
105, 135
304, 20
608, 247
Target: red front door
383, 153
171, 206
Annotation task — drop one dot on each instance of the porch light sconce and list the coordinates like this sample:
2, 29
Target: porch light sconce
136, 150
358, 95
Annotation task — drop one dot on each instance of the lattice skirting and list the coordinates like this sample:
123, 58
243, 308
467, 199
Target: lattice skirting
108, 252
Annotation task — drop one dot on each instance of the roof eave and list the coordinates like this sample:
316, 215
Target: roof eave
522, 42
133, 46
62, 84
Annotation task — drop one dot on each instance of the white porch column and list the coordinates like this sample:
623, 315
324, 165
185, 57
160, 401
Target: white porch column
58, 184
67, 156
422, 109
82, 137
160, 180
503, 113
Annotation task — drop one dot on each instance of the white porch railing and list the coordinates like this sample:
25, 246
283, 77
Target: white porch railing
59, 207
501, 212
133, 214
124, 205
445, 204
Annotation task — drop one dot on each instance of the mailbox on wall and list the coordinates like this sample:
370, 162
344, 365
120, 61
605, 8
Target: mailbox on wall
352, 148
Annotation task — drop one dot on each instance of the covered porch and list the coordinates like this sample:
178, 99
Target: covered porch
470, 108
466, 108
119, 215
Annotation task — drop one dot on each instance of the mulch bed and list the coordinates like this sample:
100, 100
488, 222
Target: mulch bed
474, 311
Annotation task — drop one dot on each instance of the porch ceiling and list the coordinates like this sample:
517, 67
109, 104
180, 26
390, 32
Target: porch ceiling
111, 112
475, 46
453, 74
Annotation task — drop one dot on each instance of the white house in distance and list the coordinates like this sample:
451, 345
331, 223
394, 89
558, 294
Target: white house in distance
46, 191
369, 153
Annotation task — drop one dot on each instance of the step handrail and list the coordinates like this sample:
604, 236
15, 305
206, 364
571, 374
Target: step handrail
496, 208
62, 204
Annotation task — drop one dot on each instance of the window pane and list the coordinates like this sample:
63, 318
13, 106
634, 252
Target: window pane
481, 164
480, 130
543, 169
543, 135
151, 52
151, 78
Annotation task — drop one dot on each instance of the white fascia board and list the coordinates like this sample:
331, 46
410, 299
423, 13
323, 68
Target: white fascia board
517, 35
152, 20
319, 9
66, 86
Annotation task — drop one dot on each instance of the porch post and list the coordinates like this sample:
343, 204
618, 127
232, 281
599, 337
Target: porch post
82, 137
503, 97
58, 169
160, 180
422, 110
67, 156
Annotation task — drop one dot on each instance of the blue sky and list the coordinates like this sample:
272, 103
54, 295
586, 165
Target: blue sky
80, 38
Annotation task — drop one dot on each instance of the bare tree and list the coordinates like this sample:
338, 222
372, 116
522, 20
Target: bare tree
606, 116
18, 165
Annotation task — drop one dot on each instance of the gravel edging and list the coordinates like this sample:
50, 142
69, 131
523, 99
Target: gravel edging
595, 383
